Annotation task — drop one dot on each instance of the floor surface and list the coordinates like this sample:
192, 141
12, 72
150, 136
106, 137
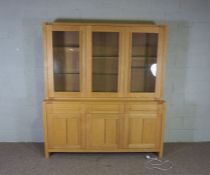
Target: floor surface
28, 159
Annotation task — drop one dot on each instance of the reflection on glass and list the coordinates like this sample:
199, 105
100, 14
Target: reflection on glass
105, 54
144, 55
66, 61
153, 69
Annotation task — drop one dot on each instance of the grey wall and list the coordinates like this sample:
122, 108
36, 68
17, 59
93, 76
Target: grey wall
187, 89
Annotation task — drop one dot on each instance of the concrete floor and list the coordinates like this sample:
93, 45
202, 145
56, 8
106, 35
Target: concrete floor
28, 159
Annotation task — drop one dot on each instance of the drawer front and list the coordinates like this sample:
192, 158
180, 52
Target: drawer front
65, 108
142, 114
105, 108
137, 107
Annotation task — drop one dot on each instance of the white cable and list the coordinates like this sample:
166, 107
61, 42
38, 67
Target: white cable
155, 163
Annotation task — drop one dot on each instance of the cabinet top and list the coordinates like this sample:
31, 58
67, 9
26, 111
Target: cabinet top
103, 23
104, 59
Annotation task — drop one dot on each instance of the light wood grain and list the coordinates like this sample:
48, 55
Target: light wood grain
45, 124
88, 121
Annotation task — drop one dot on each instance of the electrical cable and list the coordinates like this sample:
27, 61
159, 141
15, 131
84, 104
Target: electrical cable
155, 163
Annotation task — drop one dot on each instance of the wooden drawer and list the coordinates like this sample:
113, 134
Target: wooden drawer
141, 107
66, 116
104, 108
65, 108
142, 114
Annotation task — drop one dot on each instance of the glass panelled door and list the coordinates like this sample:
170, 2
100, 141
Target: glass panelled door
66, 61
143, 62
105, 61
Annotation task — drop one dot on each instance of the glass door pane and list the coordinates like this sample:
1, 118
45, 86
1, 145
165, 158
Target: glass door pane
105, 58
143, 62
66, 61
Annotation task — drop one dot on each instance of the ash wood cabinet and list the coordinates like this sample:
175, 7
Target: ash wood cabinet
65, 125
104, 87
142, 123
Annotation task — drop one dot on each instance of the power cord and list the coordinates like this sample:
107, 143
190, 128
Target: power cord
155, 163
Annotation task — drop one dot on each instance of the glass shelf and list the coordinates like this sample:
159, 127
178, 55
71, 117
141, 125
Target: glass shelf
108, 74
65, 49
140, 67
67, 82
144, 56
66, 46
104, 56
66, 73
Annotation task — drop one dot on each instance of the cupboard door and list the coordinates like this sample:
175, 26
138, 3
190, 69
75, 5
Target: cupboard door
65, 131
141, 131
103, 131
105, 61
143, 62
65, 50
66, 61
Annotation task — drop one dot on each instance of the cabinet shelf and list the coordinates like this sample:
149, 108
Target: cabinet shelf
144, 56
108, 74
66, 48
140, 67
68, 73
105, 57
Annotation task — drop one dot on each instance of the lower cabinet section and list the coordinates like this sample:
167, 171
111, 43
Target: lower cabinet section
142, 131
103, 127
65, 130
103, 131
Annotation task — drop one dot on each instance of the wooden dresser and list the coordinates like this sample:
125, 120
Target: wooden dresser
104, 87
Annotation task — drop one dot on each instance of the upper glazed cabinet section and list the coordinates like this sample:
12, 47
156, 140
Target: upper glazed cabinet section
104, 60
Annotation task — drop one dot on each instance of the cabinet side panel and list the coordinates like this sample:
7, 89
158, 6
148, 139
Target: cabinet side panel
162, 44
48, 64
162, 113
45, 125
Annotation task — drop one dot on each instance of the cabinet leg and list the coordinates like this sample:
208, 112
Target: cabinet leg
160, 154
46, 154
